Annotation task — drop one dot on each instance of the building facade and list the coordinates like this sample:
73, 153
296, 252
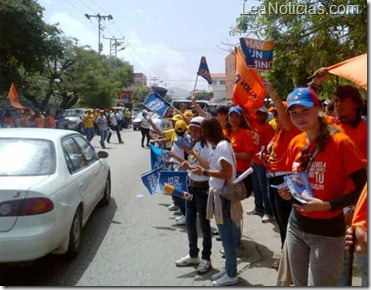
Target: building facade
218, 87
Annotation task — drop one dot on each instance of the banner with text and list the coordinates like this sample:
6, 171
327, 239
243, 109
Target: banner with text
158, 156
155, 103
150, 181
178, 179
248, 91
258, 53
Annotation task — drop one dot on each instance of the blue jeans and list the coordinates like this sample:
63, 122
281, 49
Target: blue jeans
193, 207
229, 239
260, 188
89, 132
103, 135
314, 260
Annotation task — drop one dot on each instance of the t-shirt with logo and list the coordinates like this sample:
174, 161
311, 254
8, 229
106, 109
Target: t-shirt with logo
330, 169
205, 153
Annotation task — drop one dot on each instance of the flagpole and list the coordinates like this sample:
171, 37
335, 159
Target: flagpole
194, 89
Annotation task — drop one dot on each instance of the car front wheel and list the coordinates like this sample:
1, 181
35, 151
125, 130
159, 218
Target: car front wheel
75, 235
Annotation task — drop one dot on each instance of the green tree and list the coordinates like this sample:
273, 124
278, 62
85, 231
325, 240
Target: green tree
26, 41
303, 43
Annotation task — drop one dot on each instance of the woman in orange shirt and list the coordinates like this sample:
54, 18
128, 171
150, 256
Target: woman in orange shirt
49, 119
316, 229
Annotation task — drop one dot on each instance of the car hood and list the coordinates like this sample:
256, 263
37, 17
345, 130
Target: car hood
73, 119
15, 188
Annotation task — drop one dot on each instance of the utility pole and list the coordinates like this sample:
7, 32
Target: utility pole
155, 79
100, 28
114, 44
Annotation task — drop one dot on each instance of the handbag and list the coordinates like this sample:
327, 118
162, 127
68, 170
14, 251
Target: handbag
234, 191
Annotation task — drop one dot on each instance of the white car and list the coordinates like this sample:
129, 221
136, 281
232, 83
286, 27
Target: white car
50, 182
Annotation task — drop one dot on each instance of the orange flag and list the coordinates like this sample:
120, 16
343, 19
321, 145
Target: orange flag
249, 91
13, 98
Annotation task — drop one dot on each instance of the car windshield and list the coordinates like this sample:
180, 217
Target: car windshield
72, 113
26, 157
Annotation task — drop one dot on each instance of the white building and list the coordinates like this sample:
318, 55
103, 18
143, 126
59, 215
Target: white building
218, 87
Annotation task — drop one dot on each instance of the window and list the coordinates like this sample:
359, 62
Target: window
86, 149
74, 158
26, 157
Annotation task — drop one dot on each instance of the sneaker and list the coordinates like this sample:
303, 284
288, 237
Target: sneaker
218, 275
203, 267
186, 261
225, 280
267, 218
239, 252
181, 221
178, 217
254, 212
173, 207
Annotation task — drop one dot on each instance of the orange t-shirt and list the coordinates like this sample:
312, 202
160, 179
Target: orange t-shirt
49, 122
9, 122
360, 212
25, 122
38, 122
242, 142
262, 134
278, 152
357, 134
330, 169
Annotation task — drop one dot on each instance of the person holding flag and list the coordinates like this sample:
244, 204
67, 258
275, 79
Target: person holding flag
199, 187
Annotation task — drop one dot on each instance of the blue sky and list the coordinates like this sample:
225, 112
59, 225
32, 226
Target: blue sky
163, 39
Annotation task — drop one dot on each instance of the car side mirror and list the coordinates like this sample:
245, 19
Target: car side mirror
102, 154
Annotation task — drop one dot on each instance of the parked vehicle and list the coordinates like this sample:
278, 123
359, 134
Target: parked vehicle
50, 182
136, 121
204, 104
74, 119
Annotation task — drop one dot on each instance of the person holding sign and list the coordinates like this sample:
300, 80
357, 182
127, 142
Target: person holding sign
316, 229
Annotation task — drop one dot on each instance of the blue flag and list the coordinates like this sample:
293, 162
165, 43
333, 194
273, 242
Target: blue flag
203, 70
150, 180
178, 179
159, 90
155, 103
158, 157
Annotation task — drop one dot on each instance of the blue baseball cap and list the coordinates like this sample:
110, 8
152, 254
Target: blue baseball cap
302, 97
235, 109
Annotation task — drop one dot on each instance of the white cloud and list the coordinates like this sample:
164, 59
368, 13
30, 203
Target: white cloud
75, 28
154, 60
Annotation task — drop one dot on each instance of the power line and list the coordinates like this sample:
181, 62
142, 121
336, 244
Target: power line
100, 28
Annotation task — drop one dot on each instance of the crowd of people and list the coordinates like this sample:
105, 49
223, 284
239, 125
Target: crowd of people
301, 134
102, 122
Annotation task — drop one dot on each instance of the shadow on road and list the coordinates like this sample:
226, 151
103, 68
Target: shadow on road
56, 270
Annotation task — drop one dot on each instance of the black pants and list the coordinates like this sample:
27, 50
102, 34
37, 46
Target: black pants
145, 133
117, 130
281, 207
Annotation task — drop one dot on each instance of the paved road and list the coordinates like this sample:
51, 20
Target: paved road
135, 241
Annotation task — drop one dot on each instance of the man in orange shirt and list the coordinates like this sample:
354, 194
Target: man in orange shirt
262, 134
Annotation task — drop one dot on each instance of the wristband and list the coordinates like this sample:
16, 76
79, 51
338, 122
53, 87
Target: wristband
205, 172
